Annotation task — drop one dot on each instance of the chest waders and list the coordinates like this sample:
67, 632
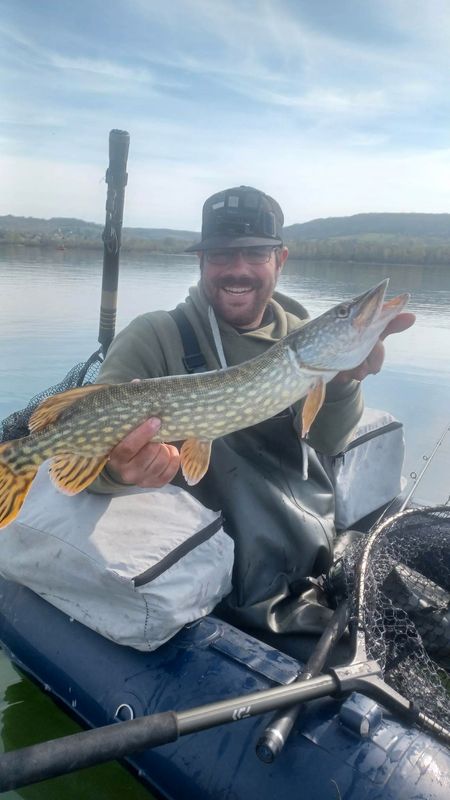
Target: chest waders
282, 525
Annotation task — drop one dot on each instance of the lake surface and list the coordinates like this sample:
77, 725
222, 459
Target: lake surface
49, 321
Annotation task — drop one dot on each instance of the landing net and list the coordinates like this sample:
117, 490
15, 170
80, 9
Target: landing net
398, 581
16, 425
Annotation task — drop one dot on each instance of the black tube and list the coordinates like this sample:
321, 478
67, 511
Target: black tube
60, 756
271, 743
84, 749
116, 178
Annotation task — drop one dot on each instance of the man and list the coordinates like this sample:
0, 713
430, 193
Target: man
272, 489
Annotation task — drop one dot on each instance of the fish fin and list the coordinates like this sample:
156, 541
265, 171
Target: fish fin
14, 487
71, 473
312, 406
195, 455
52, 407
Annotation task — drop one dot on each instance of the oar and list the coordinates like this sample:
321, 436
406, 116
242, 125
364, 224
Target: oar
116, 178
274, 738
60, 756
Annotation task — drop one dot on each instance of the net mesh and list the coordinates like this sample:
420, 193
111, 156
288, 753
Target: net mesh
398, 579
16, 425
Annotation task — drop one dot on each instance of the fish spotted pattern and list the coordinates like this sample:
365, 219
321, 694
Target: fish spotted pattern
79, 428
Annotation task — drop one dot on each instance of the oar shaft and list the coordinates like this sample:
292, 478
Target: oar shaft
275, 736
60, 756
202, 717
116, 178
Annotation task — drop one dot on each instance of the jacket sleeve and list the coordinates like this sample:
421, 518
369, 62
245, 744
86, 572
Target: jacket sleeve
136, 352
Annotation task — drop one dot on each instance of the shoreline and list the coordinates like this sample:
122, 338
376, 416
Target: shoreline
400, 259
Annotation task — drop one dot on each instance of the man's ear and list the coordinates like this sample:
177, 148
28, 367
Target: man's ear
281, 258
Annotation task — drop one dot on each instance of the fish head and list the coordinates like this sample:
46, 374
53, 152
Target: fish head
343, 337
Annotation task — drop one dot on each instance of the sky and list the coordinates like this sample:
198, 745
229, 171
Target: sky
334, 107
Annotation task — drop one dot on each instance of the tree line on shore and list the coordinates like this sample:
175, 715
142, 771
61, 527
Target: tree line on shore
377, 248
360, 238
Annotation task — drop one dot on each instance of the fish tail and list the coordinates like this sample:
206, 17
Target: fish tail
16, 477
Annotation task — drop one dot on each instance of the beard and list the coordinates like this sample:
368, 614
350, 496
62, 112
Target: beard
239, 301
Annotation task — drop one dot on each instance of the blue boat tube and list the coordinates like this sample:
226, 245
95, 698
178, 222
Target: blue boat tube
350, 748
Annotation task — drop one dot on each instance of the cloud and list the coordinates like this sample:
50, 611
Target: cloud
307, 182
328, 105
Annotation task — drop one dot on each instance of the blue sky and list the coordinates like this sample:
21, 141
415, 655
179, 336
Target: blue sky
333, 106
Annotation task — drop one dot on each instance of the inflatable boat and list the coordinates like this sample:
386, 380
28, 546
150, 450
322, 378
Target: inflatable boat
348, 747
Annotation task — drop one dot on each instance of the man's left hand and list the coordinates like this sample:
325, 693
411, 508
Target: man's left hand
374, 361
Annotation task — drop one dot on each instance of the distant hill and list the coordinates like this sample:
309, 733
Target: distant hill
378, 237
414, 225
77, 232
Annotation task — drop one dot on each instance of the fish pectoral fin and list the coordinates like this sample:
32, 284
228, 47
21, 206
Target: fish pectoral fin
312, 405
14, 487
195, 455
50, 409
72, 473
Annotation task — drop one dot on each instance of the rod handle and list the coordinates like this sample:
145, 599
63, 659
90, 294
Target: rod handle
84, 749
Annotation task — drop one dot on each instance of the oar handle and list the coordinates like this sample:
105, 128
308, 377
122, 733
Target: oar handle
116, 179
60, 756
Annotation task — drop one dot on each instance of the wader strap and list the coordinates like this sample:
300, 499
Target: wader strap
194, 360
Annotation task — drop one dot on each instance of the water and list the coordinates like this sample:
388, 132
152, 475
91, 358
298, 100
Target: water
49, 321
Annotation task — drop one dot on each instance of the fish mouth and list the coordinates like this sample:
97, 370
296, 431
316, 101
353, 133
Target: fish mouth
370, 307
366, 307
392, 307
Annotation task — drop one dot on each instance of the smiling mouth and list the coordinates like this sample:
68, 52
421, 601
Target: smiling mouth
237, 289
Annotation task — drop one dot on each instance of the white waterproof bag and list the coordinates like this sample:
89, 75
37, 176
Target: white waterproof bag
135, 567
368, 473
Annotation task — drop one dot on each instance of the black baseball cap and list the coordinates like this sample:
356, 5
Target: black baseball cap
240, 217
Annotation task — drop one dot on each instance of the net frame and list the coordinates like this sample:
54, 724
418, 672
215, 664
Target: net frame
384, 629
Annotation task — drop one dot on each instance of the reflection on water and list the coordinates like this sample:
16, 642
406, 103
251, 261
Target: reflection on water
21, 728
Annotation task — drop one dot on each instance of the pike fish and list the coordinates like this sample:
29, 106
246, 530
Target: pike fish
78, 429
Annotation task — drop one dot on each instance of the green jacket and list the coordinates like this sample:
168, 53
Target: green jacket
282, 525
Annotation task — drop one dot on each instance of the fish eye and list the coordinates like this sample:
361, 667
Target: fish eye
342, 311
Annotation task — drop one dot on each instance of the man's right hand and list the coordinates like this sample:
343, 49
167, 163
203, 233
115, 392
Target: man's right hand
139, 461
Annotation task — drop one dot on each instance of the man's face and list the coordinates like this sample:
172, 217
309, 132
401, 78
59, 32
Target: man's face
237, 288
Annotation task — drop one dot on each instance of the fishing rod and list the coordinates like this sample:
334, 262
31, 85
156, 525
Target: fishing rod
428, 459
416, 478
275, 735
116, 179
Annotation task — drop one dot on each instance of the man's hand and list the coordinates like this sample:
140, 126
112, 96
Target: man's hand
374, 360
141, 462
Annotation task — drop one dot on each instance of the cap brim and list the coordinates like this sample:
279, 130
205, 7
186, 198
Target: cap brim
225, 242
